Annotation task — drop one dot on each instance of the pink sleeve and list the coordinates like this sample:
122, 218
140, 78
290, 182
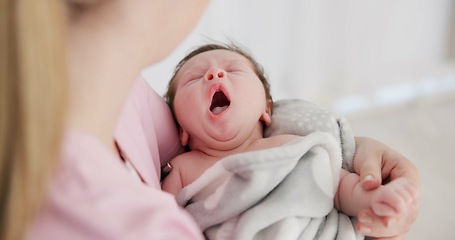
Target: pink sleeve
146, 132
93, 196
157, 114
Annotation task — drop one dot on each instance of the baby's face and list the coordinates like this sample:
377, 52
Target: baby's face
218, 98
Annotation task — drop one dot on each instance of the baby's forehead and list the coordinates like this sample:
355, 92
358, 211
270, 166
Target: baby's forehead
217, 56
202, 61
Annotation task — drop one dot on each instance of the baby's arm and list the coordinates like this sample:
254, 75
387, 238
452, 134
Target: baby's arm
350, 197
387, 200
172, 183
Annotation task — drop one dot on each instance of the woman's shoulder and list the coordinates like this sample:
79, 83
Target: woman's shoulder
91, 180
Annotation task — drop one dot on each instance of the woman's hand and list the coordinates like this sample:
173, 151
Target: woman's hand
377, 164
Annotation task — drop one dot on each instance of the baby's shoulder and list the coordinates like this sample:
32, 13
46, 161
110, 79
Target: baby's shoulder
187, 158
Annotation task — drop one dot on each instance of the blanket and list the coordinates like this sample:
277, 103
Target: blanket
284, 192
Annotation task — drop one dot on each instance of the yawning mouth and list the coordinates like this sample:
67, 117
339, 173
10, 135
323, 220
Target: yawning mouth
219, 103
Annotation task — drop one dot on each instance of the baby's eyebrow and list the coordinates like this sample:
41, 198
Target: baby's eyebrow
237, 62
197, 68
187, 73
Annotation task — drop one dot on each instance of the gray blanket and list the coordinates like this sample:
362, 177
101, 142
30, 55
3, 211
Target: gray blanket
279, 193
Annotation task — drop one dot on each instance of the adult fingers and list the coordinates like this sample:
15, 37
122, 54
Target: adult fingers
368, 162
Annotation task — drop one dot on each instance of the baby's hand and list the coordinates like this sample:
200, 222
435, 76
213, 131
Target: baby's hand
394, 198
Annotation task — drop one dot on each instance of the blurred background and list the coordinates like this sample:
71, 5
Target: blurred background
387, 65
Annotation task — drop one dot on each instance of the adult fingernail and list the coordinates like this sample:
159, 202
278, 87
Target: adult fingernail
365, 230
364, 218
368, 178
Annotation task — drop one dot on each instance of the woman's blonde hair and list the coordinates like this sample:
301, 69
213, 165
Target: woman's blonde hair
33, 86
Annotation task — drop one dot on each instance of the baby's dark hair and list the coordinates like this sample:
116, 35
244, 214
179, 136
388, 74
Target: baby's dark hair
258, 69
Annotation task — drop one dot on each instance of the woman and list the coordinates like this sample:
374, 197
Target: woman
63, 175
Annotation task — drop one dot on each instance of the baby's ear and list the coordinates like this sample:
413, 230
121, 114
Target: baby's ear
184, 137
266, 116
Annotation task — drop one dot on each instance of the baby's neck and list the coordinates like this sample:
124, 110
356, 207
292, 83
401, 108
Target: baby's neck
227, 149
219, 147
250, 145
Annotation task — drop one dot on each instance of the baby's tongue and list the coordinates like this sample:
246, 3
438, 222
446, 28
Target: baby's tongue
218, 110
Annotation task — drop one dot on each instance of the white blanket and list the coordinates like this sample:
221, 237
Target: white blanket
279, 193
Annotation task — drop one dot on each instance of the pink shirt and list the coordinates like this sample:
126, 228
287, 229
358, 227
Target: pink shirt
94, 196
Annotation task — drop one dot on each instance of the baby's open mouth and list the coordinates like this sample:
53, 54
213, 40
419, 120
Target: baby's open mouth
219, 103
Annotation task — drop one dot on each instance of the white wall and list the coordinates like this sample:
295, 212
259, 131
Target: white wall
346, 54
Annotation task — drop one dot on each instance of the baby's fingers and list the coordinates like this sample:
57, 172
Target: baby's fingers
370, 224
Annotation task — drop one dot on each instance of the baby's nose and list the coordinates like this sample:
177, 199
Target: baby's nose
218, 73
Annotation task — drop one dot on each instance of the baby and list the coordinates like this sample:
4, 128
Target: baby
222, 102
